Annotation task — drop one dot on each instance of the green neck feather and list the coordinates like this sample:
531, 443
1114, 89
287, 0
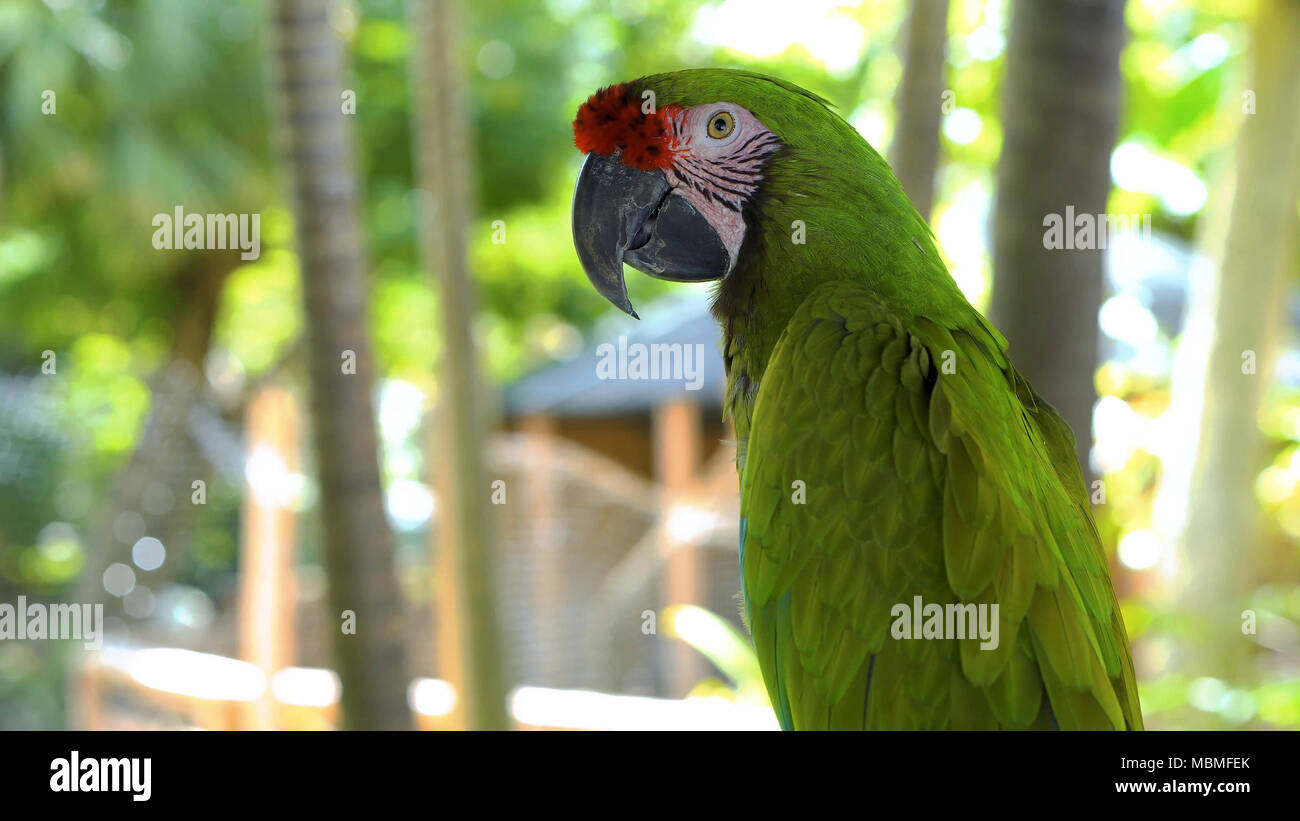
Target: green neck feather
856, 224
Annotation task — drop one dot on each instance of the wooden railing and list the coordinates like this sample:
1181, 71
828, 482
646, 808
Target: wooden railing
126, 688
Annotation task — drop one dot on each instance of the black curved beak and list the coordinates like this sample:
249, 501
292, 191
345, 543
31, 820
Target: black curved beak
623, 214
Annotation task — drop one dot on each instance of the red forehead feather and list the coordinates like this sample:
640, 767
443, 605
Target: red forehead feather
612, 120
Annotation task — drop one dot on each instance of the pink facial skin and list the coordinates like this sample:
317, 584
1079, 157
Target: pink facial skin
718, 176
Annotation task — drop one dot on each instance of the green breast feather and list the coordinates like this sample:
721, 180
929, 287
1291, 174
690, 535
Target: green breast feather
885, 463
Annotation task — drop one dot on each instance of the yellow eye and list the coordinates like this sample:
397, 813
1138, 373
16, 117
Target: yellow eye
721, 125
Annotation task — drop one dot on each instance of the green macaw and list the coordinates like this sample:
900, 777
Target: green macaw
894, 466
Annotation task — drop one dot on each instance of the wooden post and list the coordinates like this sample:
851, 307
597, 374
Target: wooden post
447, 607
546, 556
677, 434
87, 696
267, 594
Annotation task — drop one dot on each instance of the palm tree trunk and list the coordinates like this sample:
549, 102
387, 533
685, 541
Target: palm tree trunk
470, 639
914, 153
1061, 110
316, 142
1221, 540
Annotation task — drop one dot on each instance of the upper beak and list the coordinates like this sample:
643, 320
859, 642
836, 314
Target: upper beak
623, 214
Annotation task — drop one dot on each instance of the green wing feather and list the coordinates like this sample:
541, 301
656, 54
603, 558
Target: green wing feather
957, 484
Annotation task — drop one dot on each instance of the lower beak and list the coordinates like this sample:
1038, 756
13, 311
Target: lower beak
624, 214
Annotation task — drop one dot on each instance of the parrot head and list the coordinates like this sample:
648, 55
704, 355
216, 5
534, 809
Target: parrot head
751, 181
664, 188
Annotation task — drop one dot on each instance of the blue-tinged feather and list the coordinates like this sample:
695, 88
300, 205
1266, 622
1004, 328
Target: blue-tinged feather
782, 705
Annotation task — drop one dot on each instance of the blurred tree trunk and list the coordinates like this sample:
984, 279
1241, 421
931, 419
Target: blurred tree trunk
155, 482
914, 153
1061, 108
1221, 537
316, 145
470, 651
